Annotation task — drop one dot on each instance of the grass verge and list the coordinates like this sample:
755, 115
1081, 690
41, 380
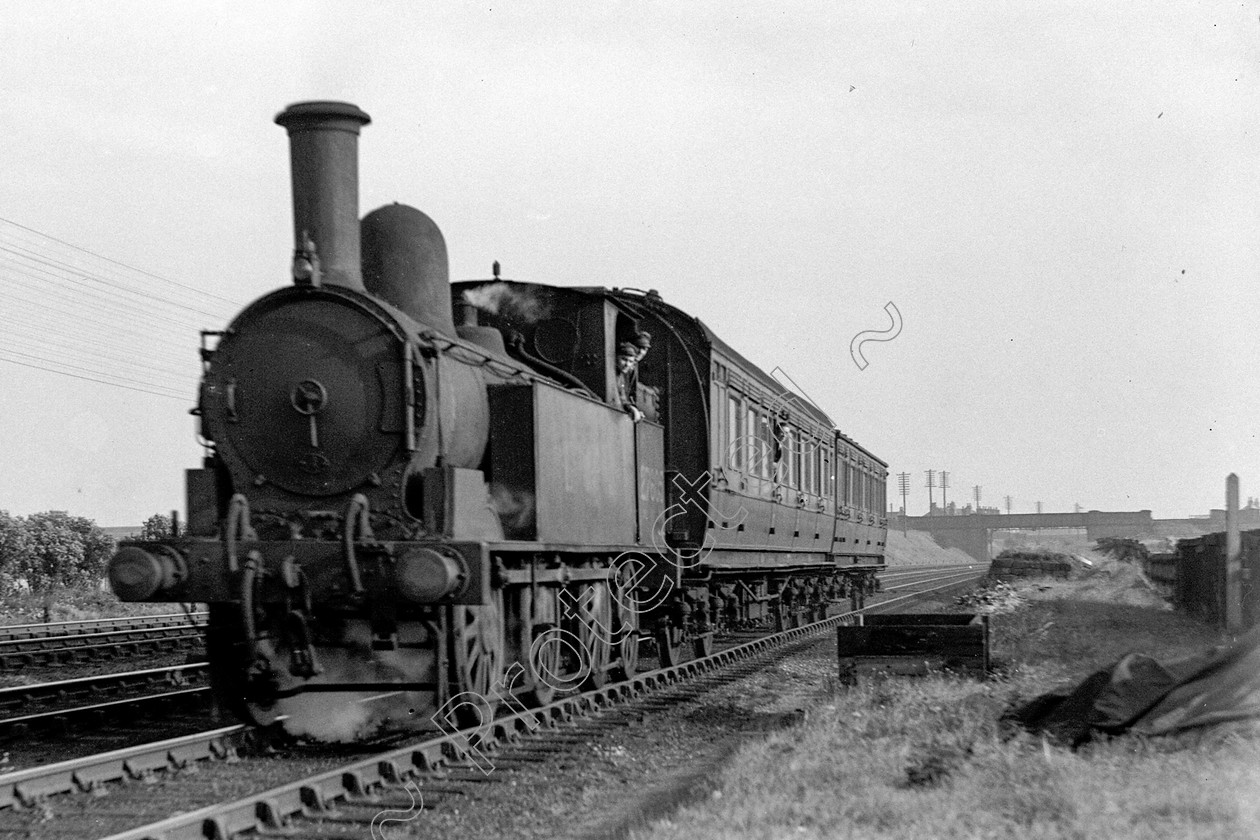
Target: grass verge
71, 604
924, 758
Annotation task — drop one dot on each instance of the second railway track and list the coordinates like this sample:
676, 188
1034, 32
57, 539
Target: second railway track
11, 632
69, 706
28, 650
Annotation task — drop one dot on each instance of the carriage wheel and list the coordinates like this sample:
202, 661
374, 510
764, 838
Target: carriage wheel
477, 640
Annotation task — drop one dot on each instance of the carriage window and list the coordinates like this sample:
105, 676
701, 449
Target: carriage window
814, 472
733, 448
749, 441
785, 453
797, 473
829, 480
765, 444
719, 425
807, 464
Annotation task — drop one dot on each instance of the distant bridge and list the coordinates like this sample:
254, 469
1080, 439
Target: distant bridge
1099, 523
970, 532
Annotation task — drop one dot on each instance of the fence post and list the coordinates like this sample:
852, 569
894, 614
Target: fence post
1233, 558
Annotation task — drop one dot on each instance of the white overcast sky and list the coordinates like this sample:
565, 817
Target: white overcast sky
1059, 198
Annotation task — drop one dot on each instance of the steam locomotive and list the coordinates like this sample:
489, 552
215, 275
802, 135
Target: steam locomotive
395, 509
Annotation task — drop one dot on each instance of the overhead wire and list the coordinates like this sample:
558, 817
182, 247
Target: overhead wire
126, 329
101, 350
90, 321
119, 377
55, 288
90, 379
73, 271
122, 264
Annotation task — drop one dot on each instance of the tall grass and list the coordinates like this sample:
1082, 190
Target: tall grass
926, 758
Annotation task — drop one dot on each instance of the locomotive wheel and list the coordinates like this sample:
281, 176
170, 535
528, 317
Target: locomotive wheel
626, 631
477, 638
531, 613
593, 631
628, 657
668, 651
228, 656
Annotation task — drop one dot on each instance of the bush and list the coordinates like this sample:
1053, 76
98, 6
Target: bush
45, 551
156, 527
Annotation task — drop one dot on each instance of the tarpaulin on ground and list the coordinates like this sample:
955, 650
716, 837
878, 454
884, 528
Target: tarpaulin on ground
1142, 695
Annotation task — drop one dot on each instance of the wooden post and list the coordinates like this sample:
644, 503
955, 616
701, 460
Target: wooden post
1233, 558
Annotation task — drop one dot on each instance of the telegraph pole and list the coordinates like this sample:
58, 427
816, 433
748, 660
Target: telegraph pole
1233, 558
1008, 505
944, 487
903, 482
931, 485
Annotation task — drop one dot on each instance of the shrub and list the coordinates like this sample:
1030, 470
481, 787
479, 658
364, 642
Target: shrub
50, 550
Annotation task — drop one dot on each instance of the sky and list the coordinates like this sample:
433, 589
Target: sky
1060, 200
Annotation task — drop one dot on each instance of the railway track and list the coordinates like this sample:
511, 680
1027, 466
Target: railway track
95, 646
334, 797
9, 632
74, 705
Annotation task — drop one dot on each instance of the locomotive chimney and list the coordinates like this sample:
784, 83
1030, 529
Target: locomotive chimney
324, 155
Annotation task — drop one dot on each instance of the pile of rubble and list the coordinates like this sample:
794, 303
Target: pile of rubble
1033, 563
994, 599
1123, 549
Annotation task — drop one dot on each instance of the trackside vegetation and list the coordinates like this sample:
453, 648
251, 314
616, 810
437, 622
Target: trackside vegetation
927, 757
52, 568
